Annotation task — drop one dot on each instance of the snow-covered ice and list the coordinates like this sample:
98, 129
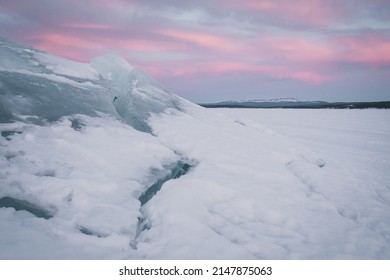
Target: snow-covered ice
98, 161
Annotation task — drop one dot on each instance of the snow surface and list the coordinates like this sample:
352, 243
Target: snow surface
76, 163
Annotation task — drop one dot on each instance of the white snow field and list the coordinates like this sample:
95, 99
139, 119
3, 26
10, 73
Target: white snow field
98, 161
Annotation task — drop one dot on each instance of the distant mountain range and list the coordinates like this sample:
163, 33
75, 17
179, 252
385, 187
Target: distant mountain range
297, 104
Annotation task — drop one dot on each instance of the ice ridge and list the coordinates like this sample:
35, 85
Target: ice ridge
47, 87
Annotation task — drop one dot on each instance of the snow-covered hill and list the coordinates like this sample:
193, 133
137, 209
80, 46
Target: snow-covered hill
98, 161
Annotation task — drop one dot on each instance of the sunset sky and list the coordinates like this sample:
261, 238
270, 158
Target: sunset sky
214, 50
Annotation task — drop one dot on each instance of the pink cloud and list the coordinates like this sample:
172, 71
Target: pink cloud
83, 48
307, 60
72, 47
300, 57
218, 68
90, 26
142, 45
310, 77
298, 49
281, 58
298, 11
310, 60
212, 42
369, 49
373, 50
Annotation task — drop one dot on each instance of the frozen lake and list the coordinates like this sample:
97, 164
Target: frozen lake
358, 141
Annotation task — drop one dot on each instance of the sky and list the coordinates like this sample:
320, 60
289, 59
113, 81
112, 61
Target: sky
215, 50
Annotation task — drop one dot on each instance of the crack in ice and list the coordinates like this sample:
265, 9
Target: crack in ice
179, 169
24, 205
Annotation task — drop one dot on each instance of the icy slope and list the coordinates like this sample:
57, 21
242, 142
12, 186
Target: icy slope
81, 177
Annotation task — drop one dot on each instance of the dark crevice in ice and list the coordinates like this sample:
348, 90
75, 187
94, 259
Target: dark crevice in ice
181, 168
175, 171
46, 173
8, 133
87, 231
24, 205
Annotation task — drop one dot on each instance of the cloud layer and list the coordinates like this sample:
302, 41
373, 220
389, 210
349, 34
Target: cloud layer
223, 49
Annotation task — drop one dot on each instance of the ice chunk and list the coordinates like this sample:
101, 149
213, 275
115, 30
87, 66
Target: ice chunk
22, 94
47, 87
135, 94
42, 85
